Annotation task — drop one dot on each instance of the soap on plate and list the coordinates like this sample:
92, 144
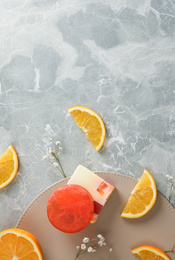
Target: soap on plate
99, 189
70, 208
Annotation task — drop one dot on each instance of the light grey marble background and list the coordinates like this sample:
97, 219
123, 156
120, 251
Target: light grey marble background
115, 57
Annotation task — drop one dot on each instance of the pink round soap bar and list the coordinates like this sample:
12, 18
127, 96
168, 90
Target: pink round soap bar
70, 208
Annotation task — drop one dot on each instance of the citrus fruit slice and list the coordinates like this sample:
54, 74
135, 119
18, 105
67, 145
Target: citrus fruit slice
18, 244
150, 253
142, 198
8, 166
91, 124
70, 208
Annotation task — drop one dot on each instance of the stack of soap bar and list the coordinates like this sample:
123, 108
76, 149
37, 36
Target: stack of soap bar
99, 189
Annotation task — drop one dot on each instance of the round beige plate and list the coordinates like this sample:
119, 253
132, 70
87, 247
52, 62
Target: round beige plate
157, 228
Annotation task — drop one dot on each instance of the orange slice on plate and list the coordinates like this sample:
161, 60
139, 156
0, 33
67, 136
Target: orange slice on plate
8, 166
91, 124
17, 244
150, 253
142, 198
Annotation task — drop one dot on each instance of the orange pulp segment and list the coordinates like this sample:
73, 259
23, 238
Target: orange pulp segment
18, 244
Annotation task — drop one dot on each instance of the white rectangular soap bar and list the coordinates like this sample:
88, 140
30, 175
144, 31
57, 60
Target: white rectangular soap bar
99, 189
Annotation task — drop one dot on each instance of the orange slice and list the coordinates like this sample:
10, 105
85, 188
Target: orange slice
17, 244
150, 253
8, 166
91, 124
142, 198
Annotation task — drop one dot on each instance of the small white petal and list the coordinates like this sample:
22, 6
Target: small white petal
78, 247
90, 249
169, 177
57, 142
110, 250
45, 157
100, 243
85, 240
83, 246
60, 148
55, 164
51, 151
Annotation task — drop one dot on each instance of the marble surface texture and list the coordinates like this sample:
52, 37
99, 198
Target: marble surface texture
115, 57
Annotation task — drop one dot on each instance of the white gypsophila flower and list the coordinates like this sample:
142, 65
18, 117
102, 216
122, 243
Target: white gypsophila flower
45, 157
60, 149
101, 243
100, 236
102, 239
57, 142
51, 151
83, 246
91, 245
169, 177
77, 247
55, 164
90, 249
85, 240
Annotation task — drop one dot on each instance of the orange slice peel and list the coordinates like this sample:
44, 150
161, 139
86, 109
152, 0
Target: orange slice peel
142, 198
150, 253
91, 124
8, 166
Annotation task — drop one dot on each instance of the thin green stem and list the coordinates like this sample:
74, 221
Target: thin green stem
171, 191
80, 253
62, 171
171, 250
56, 156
